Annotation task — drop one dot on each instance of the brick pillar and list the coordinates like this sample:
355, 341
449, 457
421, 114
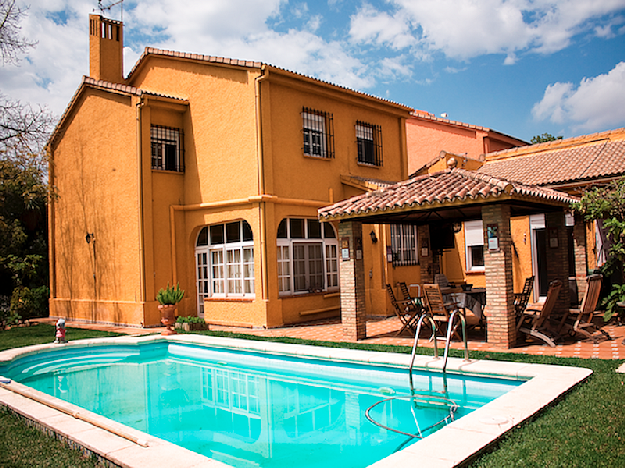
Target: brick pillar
557, 258
581, 261
427, 268
352, 270
499, 308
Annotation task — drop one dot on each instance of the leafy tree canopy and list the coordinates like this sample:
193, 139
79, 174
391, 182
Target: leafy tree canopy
608, 204
544, 138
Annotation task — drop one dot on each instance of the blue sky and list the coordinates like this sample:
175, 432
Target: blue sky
521, 67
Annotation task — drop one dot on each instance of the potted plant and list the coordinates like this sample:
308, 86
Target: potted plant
191, 323
168, 300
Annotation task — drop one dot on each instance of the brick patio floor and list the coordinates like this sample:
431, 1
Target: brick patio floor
384, 331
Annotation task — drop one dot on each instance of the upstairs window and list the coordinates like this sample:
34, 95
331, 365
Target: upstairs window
404, 244
318, 133
369, 141
167, 148
474, 242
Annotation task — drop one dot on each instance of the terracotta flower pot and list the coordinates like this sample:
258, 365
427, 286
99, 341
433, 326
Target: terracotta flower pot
168, 318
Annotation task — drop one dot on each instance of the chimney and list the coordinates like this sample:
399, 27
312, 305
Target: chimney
106, 45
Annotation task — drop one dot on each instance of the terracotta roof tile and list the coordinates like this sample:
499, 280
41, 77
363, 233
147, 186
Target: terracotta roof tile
561, 165
449, 186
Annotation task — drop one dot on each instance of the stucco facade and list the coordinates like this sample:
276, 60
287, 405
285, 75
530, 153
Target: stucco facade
145, 168
428, 136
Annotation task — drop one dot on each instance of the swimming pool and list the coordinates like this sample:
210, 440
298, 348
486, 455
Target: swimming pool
251, 404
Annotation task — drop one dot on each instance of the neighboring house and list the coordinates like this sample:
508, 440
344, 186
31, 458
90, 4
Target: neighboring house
209, 172
572, 166
429, 137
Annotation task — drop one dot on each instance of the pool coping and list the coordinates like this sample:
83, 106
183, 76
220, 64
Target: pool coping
450, 446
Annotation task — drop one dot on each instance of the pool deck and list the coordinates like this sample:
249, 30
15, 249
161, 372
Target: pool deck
448, 447
384, 331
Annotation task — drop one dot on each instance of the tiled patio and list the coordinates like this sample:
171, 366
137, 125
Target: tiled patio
384, 331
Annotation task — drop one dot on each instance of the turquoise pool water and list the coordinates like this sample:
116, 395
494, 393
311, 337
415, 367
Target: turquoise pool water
254, 409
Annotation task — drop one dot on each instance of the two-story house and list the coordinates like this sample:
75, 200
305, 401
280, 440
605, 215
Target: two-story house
208, 172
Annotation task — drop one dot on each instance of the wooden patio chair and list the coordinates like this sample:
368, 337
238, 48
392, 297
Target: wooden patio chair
407, 311
521, 299
534, 322
439, 309
583, 316
408, 297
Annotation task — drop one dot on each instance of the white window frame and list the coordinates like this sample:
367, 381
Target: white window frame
404, 244
328, 262
473, 237
230, 268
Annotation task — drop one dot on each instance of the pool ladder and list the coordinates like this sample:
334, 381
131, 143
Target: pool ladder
450, 328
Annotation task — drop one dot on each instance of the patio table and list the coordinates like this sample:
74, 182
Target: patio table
473, 300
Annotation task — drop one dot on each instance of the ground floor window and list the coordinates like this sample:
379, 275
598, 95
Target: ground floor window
225, 261
307, 256
474, 244
404, 244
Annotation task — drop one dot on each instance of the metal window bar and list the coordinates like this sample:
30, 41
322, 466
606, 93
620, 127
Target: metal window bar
404, 244
167, 147
369, 141
318, 133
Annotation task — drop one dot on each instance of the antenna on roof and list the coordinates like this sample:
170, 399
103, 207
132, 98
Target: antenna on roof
103, 8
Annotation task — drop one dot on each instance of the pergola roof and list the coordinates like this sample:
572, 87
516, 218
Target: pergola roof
444, 196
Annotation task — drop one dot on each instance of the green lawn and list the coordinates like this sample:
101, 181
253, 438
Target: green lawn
586, 428
22, 446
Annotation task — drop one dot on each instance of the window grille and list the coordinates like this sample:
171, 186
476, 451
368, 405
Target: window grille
369, 141
318, 131
167, 148
404, 244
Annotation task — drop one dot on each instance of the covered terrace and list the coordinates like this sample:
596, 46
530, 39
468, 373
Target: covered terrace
444, 198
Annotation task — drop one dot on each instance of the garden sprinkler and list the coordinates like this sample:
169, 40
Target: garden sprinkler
60, 332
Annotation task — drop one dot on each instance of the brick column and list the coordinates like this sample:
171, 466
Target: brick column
499, 308
352, 270
581, 261
427, 268
557, 259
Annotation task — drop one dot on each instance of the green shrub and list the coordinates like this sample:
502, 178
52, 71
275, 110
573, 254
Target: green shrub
190, 319
170, 296
27, 303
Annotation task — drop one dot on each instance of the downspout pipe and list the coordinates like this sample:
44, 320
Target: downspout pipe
261, 183
142, 293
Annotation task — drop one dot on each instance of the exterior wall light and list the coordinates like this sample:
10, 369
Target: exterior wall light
374, 238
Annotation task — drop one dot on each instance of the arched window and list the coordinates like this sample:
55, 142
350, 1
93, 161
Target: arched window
225, 261
307, 256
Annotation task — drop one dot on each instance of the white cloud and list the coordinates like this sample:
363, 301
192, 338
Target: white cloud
392, 67
372, 26
462, 29
51, 72
595, 104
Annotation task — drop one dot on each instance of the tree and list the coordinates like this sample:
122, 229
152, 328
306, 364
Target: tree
544, 138
23, 188
608, 204
12, 45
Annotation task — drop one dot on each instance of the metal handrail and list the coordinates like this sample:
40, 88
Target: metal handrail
450, 326
416, 338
